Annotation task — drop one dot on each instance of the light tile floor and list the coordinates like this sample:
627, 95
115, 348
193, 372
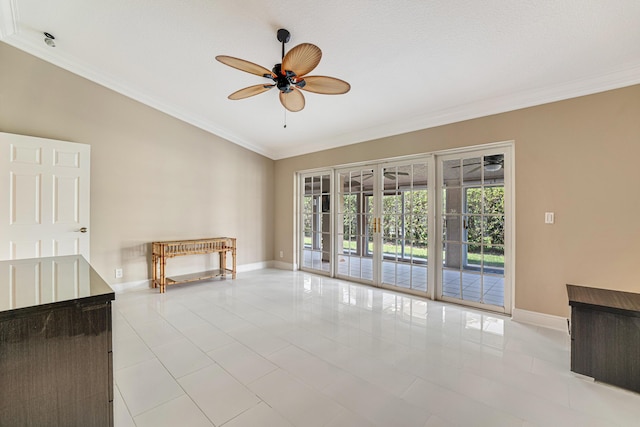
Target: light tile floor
278, 348
467, 285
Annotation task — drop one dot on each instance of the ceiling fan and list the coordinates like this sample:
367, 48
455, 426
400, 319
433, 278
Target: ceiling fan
289, 76
491, 164
387, 174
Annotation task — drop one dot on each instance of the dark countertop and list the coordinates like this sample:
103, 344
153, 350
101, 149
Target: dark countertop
618, 300
39, 283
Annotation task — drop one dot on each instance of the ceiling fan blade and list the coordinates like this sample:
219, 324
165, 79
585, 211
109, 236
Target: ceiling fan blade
465, 165
242, 65
326, 85
302, 59
477, 168
249, 91
292, 101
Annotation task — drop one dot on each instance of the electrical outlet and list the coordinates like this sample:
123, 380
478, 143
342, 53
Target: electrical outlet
281, 254
118, 273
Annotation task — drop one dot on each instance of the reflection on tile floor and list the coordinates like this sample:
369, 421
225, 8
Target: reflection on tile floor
467, 285
278, 348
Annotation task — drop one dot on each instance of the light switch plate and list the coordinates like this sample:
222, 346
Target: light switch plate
549, 217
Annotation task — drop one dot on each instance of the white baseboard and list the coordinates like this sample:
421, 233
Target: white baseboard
280, 265
540, 319
146, 284
138, 285
255, 266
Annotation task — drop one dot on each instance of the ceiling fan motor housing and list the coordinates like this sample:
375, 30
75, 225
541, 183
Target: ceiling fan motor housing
284, 80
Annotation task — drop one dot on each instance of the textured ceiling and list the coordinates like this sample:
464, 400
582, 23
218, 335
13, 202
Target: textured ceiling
411, 64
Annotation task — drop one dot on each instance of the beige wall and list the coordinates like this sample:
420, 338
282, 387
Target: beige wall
153, 177
579, 158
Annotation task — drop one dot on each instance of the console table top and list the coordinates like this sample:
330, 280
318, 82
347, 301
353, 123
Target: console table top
583, 295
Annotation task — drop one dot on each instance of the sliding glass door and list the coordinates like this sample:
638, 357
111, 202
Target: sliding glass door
473, 222
356, 224
435, 225
382, 224
405, 227
315, 220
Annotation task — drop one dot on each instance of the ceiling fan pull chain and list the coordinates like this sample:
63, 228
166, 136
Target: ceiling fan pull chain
285, 118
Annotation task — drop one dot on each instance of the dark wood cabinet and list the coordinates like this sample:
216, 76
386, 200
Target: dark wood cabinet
605, 335
55, 344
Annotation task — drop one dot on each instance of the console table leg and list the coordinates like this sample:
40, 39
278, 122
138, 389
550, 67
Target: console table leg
223, 263
233, 255
154, 262
163, 279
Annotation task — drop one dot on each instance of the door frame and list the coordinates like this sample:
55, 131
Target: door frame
508, 149
434, 219
429, 160
299, 222
375, 281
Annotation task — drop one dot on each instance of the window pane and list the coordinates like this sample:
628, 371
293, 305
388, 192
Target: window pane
452, 200
493, 258
474, 200
494, 200
451, 173
308, 222
471, 170
452, 255
324, 184
452, 228
474, 255
308, 185
493, 230
451, 283
473, 229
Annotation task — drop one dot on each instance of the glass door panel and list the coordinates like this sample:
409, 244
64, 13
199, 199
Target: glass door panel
473, 224
355, 244
316, 222
404, 217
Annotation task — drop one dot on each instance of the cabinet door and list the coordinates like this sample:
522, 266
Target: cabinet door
605, 346
581, 355
54, 367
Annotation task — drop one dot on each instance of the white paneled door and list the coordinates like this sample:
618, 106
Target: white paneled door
44, 193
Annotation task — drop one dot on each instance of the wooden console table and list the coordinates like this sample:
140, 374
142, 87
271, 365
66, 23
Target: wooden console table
163, 250
605, 335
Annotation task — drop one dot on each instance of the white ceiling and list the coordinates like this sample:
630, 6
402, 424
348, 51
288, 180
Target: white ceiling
412, 64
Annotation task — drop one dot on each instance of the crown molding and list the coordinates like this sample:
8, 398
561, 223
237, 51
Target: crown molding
8, 19
530, 98
10, 34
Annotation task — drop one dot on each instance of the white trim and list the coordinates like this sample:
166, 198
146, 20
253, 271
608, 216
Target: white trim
512, 226
540, 319
76, 66
482, 108
146, 284
120, 288
507, 149
281, 265
424, 120
254, 266
8, 20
